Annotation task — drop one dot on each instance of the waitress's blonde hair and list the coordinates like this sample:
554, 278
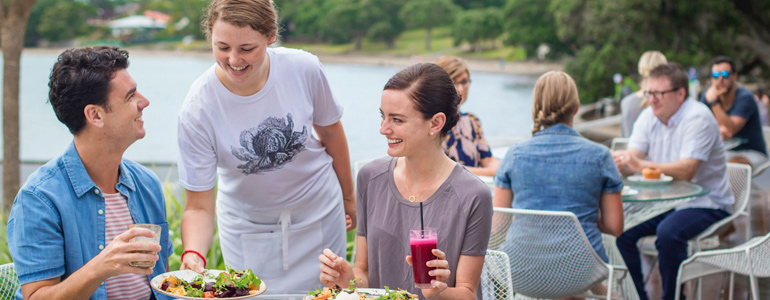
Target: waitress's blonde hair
647, 62
555, 100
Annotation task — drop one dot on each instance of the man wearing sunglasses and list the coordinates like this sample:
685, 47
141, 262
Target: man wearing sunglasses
736, 112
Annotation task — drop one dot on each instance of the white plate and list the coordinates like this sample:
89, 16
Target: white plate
627, 191
368, 293
641, 180
188, 275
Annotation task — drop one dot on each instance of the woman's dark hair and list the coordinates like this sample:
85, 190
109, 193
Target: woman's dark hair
724, 59
81, 77
431, 90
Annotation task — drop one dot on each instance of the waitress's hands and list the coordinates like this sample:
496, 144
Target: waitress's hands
193, 262
350, 212
441, 272
335, 270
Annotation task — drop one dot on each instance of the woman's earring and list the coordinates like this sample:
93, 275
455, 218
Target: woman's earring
431, 133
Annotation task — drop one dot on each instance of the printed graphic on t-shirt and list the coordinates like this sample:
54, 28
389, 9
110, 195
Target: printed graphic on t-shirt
270, 145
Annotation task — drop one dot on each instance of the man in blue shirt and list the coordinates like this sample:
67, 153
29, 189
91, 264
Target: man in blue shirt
736, 112
681, 138
58, 223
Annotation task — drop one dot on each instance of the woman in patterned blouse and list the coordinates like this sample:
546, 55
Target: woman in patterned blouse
465, 143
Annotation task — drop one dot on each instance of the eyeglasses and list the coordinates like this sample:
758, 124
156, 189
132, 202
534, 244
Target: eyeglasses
463, 83
725, 74
658, 95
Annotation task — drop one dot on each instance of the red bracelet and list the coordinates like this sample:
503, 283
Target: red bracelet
196, 252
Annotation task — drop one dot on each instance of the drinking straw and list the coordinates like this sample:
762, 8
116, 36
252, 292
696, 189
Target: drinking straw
422, 222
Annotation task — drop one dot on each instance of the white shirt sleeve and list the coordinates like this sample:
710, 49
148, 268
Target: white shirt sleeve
640, 136
326, 109
197, 158
699, 137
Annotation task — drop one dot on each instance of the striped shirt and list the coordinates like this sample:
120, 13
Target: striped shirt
116, 219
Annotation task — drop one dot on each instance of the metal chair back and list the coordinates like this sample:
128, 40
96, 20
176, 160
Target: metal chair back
496, 276
9, 282
550, 255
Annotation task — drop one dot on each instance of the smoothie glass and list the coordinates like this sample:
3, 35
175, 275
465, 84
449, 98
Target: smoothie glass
422, 242
155, 229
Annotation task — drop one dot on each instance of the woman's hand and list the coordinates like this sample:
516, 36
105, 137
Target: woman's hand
441, 272
335, 270
192, 262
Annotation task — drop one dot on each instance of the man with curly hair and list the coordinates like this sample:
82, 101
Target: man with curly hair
67, 228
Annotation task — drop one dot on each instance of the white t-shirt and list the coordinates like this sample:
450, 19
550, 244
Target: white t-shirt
271, 168
692, 132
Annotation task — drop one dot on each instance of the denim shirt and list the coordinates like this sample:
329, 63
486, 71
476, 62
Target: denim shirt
57, 223
559, 170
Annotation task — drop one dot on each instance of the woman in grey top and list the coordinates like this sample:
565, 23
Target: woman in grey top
418, 107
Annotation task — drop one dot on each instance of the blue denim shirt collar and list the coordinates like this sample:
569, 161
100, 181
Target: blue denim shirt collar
558, 128
81, 181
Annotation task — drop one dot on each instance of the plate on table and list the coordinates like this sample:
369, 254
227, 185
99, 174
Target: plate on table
639, 179
627, 191
375, 293
189, 275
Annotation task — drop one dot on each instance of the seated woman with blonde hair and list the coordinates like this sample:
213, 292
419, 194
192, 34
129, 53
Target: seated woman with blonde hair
559, 170
466, 143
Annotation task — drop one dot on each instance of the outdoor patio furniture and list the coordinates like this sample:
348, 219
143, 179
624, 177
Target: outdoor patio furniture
751, 259
740, 183
496, 276
9, 282
550, 254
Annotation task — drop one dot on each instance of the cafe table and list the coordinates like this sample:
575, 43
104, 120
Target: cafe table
641, 202
731, 143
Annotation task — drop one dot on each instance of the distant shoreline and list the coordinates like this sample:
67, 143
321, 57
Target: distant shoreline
530, 68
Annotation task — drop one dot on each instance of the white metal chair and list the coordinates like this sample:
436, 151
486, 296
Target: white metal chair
619, 143
550, 254
740, 183
750, 259
9, 282
766, 136
496, 276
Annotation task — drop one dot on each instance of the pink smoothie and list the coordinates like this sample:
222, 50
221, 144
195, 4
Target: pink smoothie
421, 254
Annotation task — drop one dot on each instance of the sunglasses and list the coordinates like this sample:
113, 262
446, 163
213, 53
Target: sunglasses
725, 74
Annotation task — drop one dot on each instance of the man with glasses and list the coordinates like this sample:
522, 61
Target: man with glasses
681, 138
736, 112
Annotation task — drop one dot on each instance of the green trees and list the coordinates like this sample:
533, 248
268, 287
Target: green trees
65, 20
475, 26
530, 23
427, 14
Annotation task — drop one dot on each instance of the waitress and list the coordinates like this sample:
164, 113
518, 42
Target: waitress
247, 154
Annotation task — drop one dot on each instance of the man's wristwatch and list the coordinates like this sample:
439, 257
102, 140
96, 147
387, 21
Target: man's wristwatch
711, 104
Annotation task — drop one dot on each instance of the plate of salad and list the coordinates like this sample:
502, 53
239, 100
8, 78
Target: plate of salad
188, 284
337, 293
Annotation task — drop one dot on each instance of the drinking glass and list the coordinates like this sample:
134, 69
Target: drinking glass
156, 239
422, 242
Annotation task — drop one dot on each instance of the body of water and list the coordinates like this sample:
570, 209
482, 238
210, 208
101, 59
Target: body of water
502, 102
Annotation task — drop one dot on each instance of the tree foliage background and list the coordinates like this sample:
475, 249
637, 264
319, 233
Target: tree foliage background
596, 38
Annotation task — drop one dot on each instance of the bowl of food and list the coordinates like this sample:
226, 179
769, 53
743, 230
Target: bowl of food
188, 284
337, 293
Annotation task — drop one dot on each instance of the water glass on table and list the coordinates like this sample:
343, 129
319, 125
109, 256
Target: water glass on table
156, 240
422, 242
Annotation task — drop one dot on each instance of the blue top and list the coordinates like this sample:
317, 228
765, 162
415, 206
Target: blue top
745, 106
559, 170
465, 143
57, 221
